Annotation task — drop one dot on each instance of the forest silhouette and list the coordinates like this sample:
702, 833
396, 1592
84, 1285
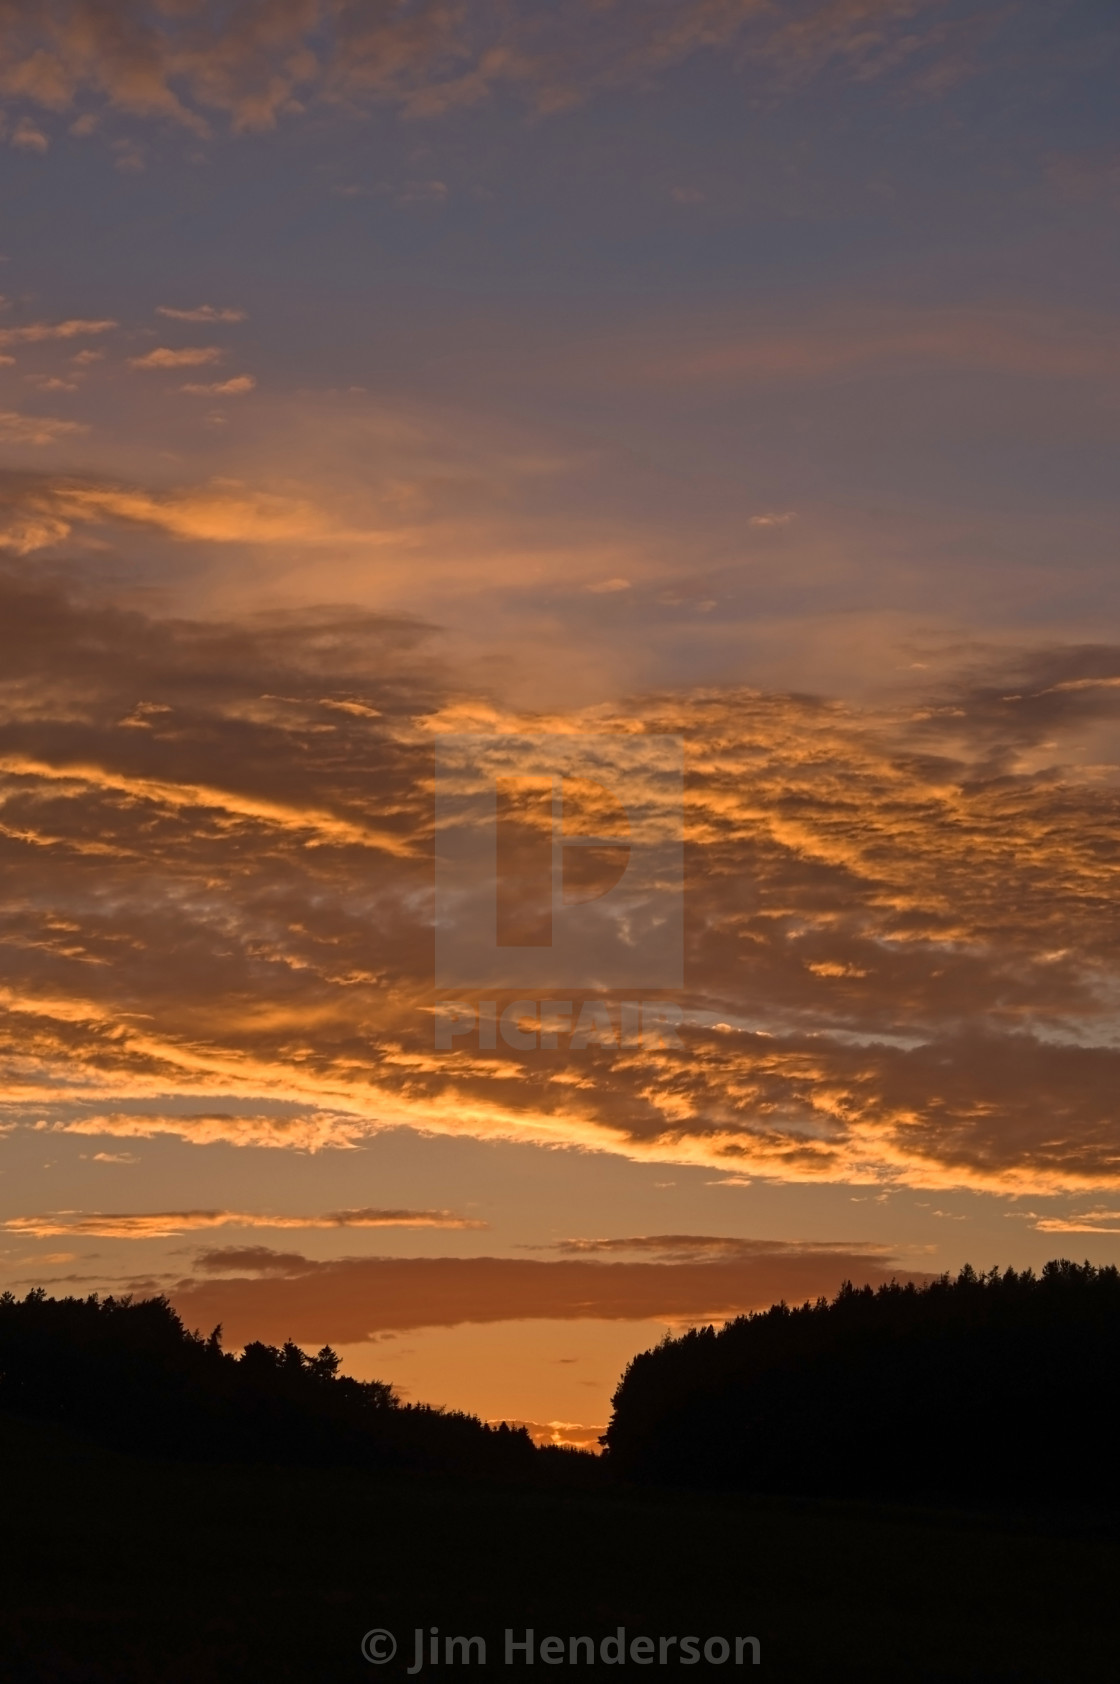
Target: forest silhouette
992, 1386
131, 1373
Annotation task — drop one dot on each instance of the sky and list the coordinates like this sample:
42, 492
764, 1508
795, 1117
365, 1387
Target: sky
704, 410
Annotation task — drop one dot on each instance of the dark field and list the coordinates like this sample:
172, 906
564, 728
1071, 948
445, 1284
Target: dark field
118, 1569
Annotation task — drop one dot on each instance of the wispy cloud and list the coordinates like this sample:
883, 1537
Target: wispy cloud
149, 1225
34, 333
37, 511
201, 313
234, 388
309, 1132
1087, 1222
678, 1247
314, 825
298, 1133
36, 429
187, 356
28, 137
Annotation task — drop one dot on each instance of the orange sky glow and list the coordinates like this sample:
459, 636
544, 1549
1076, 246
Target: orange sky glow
380, 378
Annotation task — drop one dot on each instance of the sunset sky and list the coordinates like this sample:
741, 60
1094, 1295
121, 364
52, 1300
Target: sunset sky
739, 374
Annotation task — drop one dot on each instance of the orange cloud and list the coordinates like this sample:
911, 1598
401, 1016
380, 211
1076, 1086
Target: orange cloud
150, 1225
293, 1133
188, 356
571, 1433
40, 511
900, 930
1088, 1222
34, 429
37, 510
317, 826
239, 384
26, 137
345, 1301
187, 65
707, 1247
32, 333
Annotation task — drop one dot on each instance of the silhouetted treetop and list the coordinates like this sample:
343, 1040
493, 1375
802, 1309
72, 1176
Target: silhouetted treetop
987, 1384
130, 1371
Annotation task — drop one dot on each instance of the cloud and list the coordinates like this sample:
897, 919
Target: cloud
314, 826
571, 1433
348, 1300
190, 65
201, 313
28, 137
250, 1260
438, 495
38, 511
239, 384
901, 935
311, 1133
422, 193
1088, 1222
358, 709
34, 333
35, 429
187, 356
675, 1247
163, 1224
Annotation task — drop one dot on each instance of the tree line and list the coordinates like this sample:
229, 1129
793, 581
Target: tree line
999, 1385
129, 1372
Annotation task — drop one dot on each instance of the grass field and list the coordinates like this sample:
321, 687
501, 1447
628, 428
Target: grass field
119, 1570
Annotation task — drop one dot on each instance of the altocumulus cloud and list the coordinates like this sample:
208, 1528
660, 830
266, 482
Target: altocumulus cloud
186, 66
901, 923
